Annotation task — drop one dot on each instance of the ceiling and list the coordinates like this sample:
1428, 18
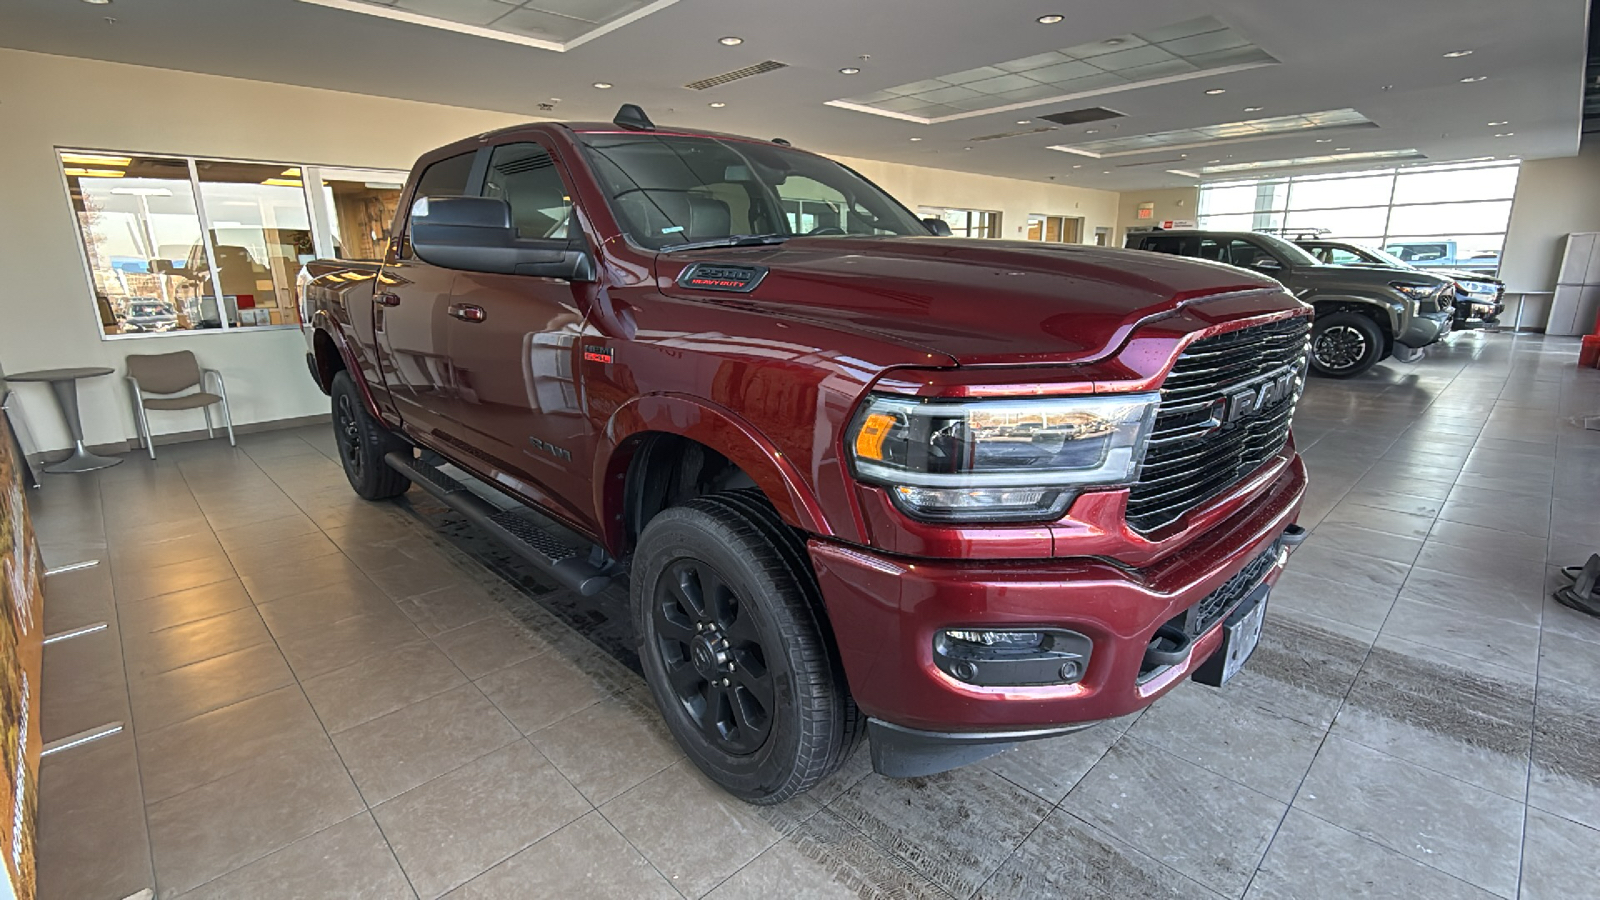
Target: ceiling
1384, 60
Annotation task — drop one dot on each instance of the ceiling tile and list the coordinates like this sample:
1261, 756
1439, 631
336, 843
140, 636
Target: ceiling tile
1159, 70
946, 94
1005, 83
1064, 72
535, 23
977, 74
1128, 59
1110, 45
1210, 42
1033, 62
1182, 29
466, 12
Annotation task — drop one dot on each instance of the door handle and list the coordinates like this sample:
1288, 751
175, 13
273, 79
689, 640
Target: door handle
466, 312
384, 298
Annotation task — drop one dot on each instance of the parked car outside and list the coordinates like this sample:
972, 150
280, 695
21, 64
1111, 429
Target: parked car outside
1443, 254
1480, 298
1363, 315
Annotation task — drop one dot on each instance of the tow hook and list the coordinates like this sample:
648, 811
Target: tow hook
1293, 536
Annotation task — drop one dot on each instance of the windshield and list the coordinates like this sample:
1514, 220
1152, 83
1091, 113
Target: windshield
1289, 252
673, 190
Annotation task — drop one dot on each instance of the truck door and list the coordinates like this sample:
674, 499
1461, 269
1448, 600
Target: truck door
513, 344
410, 304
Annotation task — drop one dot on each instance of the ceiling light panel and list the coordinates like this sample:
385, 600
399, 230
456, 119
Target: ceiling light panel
1300, 162
1250, 129
1194, 49
558, 25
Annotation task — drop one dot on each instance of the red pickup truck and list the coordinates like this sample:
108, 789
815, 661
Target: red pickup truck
863, 479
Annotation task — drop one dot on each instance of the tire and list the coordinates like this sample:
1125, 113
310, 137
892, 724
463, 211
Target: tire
1345, 344
363, 442
720, 594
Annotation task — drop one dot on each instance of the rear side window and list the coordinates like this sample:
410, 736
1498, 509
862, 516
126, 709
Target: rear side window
525, 176
1173, 245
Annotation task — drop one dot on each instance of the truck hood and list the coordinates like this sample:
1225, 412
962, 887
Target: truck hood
979, 302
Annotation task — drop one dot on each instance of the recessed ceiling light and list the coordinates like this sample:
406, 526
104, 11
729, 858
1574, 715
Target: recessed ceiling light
730, 41
916, 139
1114, 42
1024, 121
849, 70
603, 85
1472, 78
1092, 131
1505, 134
1324, 140
1341, 149
1493, 124
1212, 162
1387, 87
717, 105
1457, 54
1050, 19
1106, 172
1254, 108
98, 2
1215, 91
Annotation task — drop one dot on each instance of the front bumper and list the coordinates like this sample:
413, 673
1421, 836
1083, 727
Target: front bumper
886, 611
1426, 328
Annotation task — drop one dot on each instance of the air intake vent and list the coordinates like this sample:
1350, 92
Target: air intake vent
760, 68
1080, 116
531, 162
1010, 134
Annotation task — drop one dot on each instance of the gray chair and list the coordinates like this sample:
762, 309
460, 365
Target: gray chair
167, 376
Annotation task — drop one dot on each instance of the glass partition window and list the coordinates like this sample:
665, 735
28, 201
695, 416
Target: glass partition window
173, 243
979, 223
1438, 216
1055, 229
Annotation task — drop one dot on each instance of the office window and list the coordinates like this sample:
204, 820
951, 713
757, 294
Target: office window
1055, 229
978, 223
179, 244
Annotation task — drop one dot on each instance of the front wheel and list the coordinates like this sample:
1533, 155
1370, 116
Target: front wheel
1345, 344
731, 644
363, 442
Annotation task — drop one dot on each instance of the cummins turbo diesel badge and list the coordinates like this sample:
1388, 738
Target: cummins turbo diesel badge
714, 277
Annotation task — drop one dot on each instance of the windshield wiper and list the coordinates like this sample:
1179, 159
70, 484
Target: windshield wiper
732, 240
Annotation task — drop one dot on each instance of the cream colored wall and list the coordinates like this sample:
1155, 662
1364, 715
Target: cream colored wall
1555, 197
47, 318
1015, 199
1171, 203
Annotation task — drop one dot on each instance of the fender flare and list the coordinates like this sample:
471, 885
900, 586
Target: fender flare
324, 323
1393, 309
715, 427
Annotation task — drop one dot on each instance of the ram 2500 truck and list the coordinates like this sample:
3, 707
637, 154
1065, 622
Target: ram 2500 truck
950, 494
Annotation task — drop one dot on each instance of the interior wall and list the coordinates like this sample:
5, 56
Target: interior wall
1170, 203
1013, 198
1555, 197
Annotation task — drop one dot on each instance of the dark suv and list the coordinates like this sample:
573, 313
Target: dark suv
1364, 315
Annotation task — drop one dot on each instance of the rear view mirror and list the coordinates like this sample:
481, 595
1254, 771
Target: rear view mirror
937, 227
475, 234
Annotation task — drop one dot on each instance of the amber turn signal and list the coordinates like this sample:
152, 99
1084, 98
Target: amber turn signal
874, 431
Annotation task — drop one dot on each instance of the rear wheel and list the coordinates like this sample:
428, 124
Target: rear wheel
363, 442
1345, 344
733, 648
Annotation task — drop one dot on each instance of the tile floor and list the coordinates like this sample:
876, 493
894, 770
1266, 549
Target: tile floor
329, 698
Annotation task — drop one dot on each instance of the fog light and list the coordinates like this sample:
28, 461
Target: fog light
1019, 639
1037, 656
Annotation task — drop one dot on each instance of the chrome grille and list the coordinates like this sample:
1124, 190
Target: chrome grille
1194, 453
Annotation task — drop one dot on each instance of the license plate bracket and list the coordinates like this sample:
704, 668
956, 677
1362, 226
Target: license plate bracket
1240, 635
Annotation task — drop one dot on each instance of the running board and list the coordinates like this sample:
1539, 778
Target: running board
588, 573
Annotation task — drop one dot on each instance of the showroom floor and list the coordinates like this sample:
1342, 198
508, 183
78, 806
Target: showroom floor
328, 698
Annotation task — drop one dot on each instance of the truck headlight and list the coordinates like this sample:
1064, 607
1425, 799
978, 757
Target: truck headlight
1474, 287
998, 460
1417, 292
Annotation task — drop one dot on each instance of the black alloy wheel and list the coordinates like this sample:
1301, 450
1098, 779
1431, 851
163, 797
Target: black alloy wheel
1345, 344
734, 643
363, 443
714, 659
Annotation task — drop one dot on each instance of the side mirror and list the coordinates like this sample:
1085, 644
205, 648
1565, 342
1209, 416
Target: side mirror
937, 227
475, 234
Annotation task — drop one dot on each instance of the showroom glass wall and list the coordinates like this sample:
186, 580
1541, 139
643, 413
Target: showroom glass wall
1445, 216
183, 244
